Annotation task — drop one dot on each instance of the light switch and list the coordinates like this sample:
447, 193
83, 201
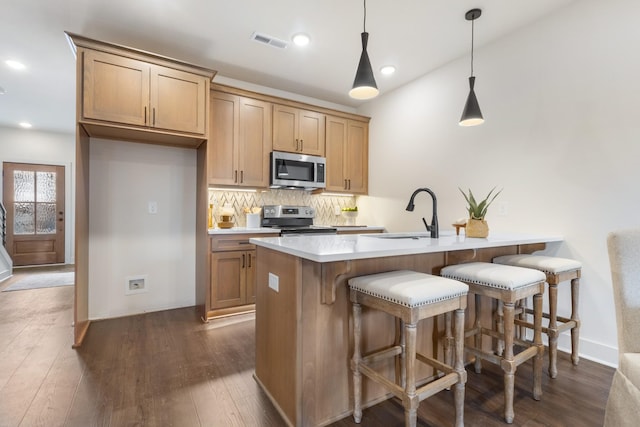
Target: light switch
274, 282
153, 208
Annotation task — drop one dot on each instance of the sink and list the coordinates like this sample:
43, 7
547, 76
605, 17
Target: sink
414, 236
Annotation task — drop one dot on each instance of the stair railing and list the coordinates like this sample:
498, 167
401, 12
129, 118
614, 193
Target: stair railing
3, 224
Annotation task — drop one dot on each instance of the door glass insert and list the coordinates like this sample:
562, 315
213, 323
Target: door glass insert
24, 183
23, 218
35, 202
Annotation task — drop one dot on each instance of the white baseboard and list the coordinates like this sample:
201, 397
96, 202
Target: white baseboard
590, 350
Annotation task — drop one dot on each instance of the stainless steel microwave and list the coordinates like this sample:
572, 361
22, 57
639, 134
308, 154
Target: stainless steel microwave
292, 170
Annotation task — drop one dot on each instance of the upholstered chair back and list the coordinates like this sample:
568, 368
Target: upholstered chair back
624, 257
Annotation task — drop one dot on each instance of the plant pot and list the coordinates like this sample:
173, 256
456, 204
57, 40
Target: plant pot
476, 228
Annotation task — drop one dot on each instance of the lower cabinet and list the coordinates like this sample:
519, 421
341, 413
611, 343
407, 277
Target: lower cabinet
233, 273
232, 278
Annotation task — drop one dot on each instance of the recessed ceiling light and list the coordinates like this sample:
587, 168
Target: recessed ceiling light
15, 64
301, 39
387, 70
25, 125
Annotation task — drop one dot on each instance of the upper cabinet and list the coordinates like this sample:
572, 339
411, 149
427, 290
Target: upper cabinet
298, 131
239, 141
347, 152
129, 94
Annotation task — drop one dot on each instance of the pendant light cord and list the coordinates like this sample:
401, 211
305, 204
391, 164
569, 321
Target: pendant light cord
472, 24
364, 24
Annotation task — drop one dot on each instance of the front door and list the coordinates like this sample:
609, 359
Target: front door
34, 198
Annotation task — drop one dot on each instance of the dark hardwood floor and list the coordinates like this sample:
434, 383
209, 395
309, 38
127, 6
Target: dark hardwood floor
169, 369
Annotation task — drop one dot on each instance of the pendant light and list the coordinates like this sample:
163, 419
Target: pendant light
472, 116
364, 85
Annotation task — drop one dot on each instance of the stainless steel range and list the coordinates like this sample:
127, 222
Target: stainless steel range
293, 220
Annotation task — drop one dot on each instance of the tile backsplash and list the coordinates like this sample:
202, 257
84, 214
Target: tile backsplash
325, 206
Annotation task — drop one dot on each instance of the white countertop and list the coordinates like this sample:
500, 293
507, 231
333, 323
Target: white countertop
245, 230
328, 248
242, 230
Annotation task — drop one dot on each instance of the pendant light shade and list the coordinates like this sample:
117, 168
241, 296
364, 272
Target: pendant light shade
471, 115
364, 84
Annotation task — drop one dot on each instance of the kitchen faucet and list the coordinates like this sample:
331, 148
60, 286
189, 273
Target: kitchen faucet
433, 228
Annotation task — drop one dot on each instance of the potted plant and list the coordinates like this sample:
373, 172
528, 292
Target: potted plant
350, 214
476, 224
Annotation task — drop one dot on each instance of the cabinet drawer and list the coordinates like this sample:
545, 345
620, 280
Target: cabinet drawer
236, 242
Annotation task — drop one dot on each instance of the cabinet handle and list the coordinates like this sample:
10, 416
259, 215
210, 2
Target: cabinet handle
349, 184
154, 116
145, 115
249, 256
241, 177
235, 176
345, 185
242, 261
302, 145
297, 144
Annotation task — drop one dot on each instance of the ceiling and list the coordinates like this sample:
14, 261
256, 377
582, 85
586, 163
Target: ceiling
416, 36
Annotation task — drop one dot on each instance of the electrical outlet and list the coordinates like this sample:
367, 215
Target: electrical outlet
336, 210
153, 207
503, 208
135, 285
274, 282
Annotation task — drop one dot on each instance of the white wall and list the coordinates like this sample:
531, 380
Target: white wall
125, 240
561, 137
31, 146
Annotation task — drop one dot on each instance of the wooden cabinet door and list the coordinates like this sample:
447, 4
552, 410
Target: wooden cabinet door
178, 101
298, 131
347, 151
336, 139
115, 89
311, 133
228, 278
357, 157
285, 128
255, 142
251, 279
223, 145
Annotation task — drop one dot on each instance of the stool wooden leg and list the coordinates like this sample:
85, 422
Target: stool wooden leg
508, 365
553, 329
403, 355
355, 364
448, 359
411, 403
537, 341
458, 392
477, 339
500, 328
575, 331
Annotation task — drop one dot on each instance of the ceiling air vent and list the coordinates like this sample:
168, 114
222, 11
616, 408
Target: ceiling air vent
271, 41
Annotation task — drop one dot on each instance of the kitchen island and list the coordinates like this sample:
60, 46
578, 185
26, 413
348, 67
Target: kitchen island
303, 314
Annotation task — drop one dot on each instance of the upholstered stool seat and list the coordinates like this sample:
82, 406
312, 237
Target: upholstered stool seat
508, 285
557, 270
410, 297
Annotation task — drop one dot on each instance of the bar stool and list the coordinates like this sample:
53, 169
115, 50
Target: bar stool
557, 270
410, 297
508, 285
